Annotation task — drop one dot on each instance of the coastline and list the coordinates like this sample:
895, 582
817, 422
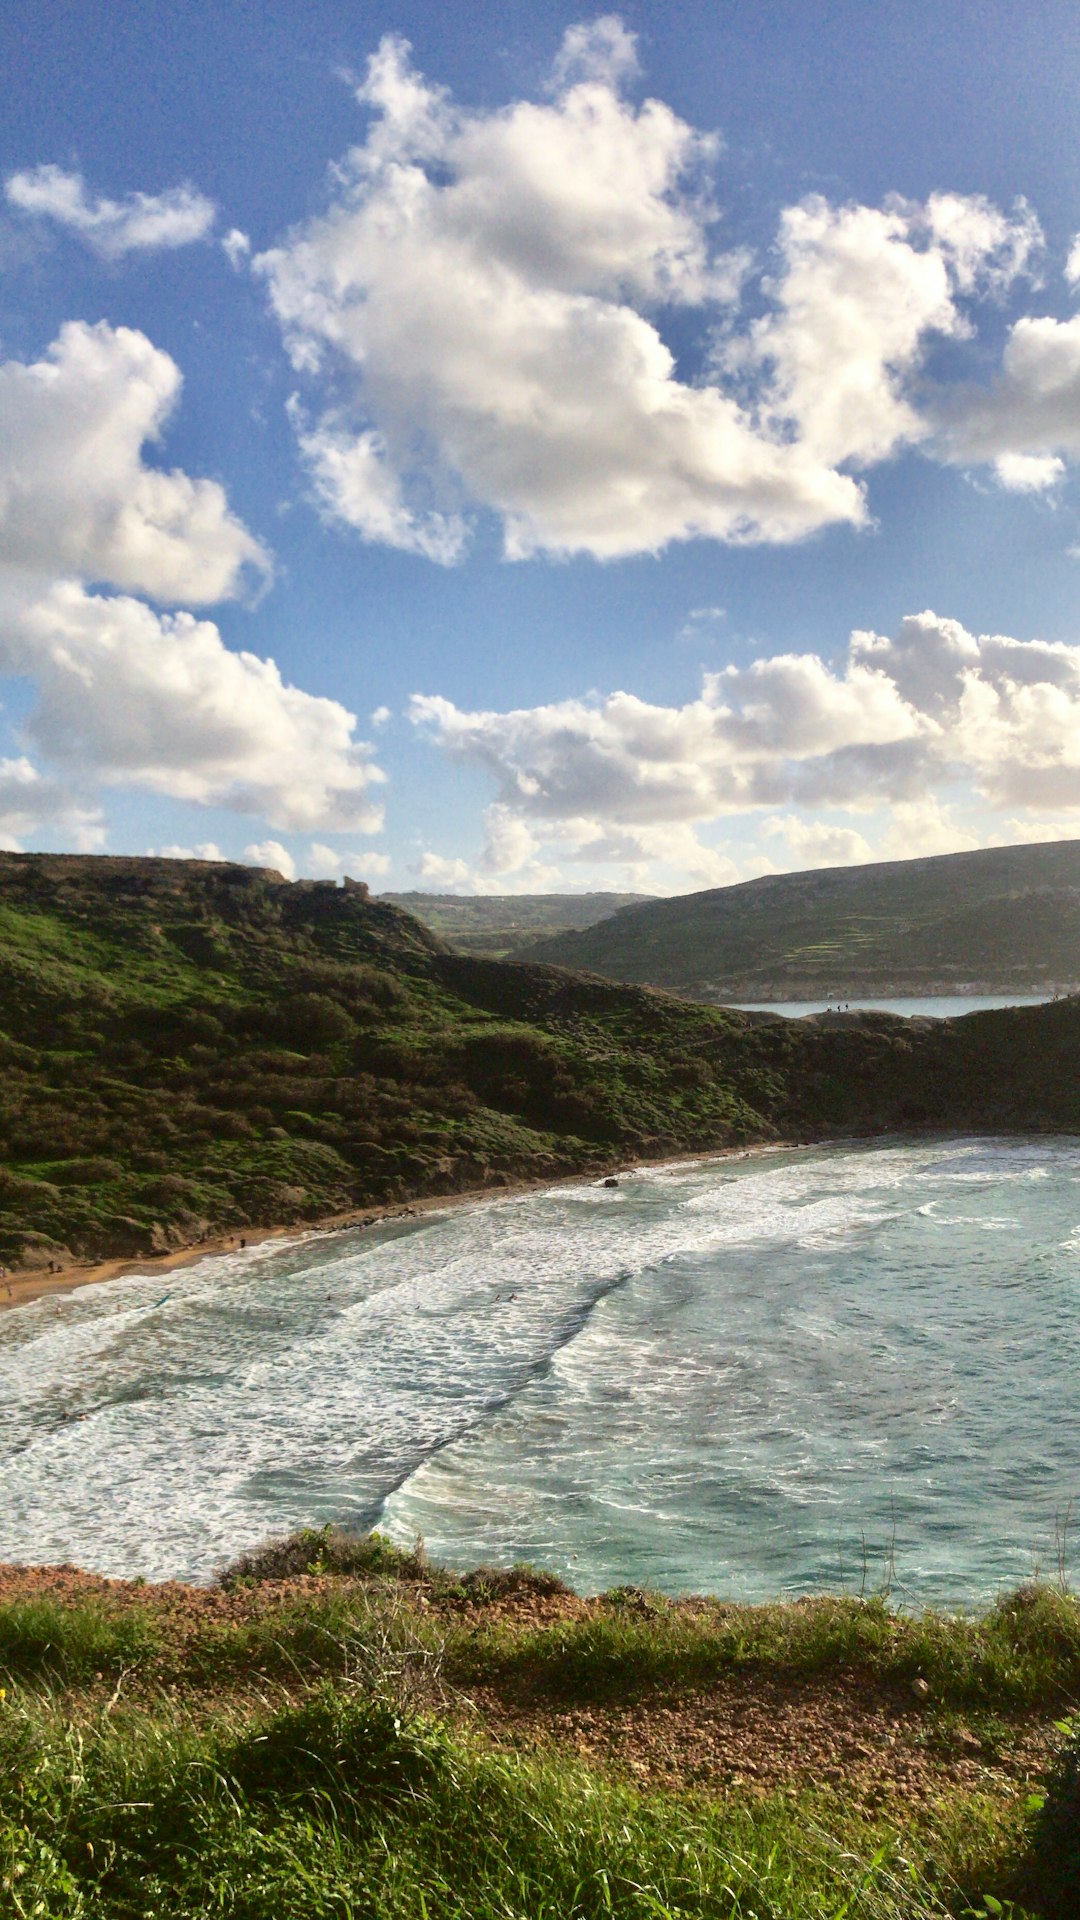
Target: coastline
19, 1289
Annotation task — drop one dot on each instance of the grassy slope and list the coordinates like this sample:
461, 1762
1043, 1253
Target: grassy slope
307, 1742
1005, 918
188, 1047
498, 925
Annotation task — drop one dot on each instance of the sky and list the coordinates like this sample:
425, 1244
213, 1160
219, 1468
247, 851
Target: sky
521, 448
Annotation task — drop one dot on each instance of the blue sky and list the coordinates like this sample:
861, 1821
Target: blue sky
550, 396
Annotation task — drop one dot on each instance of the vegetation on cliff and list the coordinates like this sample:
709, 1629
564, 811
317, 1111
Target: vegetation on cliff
1001, 920
337, 1729
188, 1047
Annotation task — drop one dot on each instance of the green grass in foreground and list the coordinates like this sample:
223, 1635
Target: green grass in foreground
339, 1806
303, 1753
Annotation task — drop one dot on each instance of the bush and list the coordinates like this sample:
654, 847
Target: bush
314, 1020
497, 1583
325, 1550
358, 1750
1056, 1849
86, 1173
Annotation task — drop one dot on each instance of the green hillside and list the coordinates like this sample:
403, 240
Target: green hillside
187, 1047
501, 924
1002, 920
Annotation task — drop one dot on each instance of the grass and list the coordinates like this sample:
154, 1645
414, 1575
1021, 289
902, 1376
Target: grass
1022, 1654
301, 1744
1025, 1652
339, 1806
43, 1638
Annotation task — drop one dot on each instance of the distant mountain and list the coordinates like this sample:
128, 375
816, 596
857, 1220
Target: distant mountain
500, 924
1002, 920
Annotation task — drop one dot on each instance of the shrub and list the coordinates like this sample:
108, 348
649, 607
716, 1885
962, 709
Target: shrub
325, 1550
358, 1750
1056, 1850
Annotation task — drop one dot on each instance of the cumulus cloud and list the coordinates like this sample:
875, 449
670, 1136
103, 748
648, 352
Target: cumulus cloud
489, 291
1030, 416
601, 51
271, 853
484, 278
129, 697
815, 843
32, 804
622, 759
237, 248
928, 826
899, 721
206, 850
75, 495
445, 875
324, 863
859, 294
140, 223
356, 483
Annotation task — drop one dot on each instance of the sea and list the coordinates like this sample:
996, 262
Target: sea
940, 1007
841, 1368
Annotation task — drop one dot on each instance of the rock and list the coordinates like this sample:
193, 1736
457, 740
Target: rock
920, 1688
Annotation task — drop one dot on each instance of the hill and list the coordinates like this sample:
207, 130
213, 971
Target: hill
1001, 920
188, 1047
500, 924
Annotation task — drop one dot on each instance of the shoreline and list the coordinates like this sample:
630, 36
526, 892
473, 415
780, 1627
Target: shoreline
19, 1289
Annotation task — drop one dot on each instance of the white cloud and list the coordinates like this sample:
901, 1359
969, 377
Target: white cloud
132, 698
126, 696
237, 248
1033, 832
815, 843
922, 827
324, 863
514, 873
481, 278
380, 716
489, 292
355, 482
142, 222
271, 853
206, 850
1028, 472
1030, 416
75, 496
741, 743
900, 722
601, 52
859, 294
443, 875
32, 804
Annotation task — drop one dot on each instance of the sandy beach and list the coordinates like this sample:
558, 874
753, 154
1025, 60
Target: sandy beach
18, 1289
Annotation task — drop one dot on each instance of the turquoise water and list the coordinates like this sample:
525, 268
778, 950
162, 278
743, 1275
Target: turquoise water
754, 1376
